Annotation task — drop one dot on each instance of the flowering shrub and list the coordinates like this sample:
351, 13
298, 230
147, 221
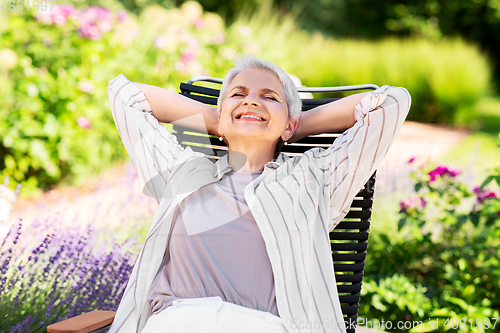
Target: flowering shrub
49, 120
56, 65
49, 273
448, 245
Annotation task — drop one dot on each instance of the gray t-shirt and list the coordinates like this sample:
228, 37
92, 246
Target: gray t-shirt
216, 249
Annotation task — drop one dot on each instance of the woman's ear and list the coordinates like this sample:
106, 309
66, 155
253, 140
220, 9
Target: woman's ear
290, 129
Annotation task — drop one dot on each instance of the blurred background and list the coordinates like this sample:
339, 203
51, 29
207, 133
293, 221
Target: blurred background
434, 244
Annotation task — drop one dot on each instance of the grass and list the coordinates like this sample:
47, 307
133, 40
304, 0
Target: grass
480, 151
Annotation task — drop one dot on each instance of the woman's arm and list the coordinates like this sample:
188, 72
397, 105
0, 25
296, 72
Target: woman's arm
331, 117
152, 149
356, 154
169, 107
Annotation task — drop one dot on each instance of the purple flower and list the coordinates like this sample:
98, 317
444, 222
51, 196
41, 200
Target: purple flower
442, 170
482, 194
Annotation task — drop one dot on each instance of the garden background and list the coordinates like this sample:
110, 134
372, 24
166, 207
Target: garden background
434, 244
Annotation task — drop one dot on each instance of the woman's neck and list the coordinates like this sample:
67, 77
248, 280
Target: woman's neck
250, 159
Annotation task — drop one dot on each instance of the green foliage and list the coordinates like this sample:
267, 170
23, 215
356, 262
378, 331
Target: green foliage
55, 123
475, 21
447, 247
55, 85
446, 79
392, 298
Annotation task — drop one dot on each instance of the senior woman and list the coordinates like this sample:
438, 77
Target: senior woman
242, 245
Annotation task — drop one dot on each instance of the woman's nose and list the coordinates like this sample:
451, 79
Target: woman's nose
251, 100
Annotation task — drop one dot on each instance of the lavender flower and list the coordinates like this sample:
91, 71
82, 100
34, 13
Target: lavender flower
68, 273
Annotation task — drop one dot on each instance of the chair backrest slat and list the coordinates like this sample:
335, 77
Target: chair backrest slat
350, 238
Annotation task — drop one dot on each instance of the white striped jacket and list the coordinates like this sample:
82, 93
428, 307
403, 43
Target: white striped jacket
296, 202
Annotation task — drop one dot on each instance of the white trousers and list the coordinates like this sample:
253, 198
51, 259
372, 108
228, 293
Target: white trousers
212, 315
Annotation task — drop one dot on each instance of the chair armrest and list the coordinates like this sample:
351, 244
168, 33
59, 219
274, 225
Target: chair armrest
84, 323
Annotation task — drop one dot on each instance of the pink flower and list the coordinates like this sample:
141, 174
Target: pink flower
58, 15
160, 42
442, 170
83, 122
482, 194
411, 159
410, 203
58, 18
94, 21
198, 23
105, 26
44, 16
90, 30
95, 13
423, 203
68, 10
62, 13
219, 39
187, 57
122, 15
180, 66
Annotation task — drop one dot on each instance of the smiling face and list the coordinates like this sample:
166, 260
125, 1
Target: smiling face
255, 108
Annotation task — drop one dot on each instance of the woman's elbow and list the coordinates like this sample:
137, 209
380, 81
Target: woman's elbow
402, 96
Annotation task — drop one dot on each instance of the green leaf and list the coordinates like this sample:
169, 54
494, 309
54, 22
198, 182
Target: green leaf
497, 179
487, 181
401, 223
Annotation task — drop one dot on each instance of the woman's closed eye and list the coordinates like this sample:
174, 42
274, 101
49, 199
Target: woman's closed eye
270, 97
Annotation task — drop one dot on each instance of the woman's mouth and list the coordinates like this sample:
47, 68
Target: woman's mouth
250, 117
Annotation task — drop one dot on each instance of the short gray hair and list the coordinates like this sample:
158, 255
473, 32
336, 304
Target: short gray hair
249, 61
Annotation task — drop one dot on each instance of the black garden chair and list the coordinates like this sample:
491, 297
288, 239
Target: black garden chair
348, 240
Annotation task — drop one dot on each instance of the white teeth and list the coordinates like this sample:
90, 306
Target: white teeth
249, 116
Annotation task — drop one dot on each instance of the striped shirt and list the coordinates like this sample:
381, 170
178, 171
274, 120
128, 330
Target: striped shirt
296, 202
